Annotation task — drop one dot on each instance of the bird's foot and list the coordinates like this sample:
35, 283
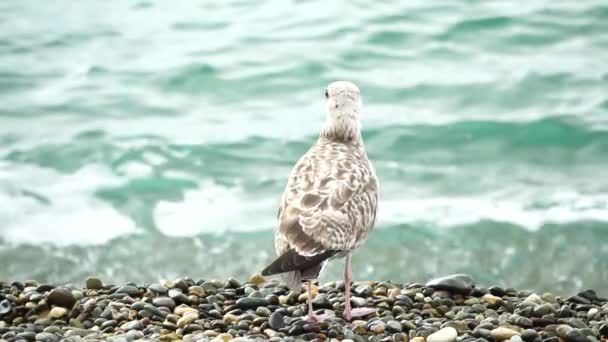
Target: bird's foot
314, 318
358, 312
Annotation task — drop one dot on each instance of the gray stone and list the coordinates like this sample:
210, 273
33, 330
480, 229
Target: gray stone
133, 325
263, 311
363, 290
394, 326
164, 301
575, 336
276, 321
27, 335
460, 283
358, 301
128, 289
543, 309
46, 337
158, 288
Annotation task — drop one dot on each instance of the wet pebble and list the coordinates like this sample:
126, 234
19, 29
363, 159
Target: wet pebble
61, 297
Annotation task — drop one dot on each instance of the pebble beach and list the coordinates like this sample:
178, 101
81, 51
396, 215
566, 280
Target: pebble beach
448, 309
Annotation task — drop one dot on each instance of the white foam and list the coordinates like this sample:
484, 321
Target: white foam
528, 210
213, 208
66, 211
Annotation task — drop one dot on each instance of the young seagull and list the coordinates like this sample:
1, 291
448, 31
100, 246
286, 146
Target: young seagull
330, 201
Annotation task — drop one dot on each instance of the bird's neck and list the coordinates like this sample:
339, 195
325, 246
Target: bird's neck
342, 127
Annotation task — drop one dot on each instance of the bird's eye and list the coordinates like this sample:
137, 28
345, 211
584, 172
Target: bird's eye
326, 94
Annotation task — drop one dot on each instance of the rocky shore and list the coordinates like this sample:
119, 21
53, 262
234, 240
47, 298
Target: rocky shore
446, 309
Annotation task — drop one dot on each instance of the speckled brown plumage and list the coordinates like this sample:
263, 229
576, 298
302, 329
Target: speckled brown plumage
329, 205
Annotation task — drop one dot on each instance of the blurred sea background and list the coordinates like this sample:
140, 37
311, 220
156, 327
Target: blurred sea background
149, 140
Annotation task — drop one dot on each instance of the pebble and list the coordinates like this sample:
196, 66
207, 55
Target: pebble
276, 321
58, 312
251, 303
5, 307
452, 309
128, 289
93, 283
502, 333
394, 326
529, 335
46, 337
447, 334
460, 283
575, 335
257, 279
164, 301
158, 288
61, 297
491, 299
133, 325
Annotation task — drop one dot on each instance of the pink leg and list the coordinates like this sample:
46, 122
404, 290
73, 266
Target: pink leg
349, 313
311, 313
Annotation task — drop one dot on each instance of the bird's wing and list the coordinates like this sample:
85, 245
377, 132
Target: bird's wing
329, 203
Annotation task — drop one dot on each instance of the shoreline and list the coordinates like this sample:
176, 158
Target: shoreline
445, 309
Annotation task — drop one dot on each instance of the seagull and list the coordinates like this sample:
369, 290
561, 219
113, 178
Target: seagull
330, 202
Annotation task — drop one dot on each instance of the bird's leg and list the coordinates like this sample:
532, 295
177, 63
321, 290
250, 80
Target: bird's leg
311, 314
349, 313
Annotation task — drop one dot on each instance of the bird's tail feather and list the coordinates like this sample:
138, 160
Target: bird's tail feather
293, 280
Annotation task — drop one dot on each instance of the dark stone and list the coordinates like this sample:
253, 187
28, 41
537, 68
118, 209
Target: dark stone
5, 307
276, 321
575, 336
484, 333
192, 327
164, 301
497, 291
155, 310
588, 294
311, 328
110, 323
363, 291
460, 283
543, 309
178, 296
128, 289
529, 335
542, 322
44, 288
18, 285
551, 339
524, 322
604, 329
251, 303
61, 297
578, 299
322, 302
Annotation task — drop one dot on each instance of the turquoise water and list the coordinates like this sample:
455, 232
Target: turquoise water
147, 140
